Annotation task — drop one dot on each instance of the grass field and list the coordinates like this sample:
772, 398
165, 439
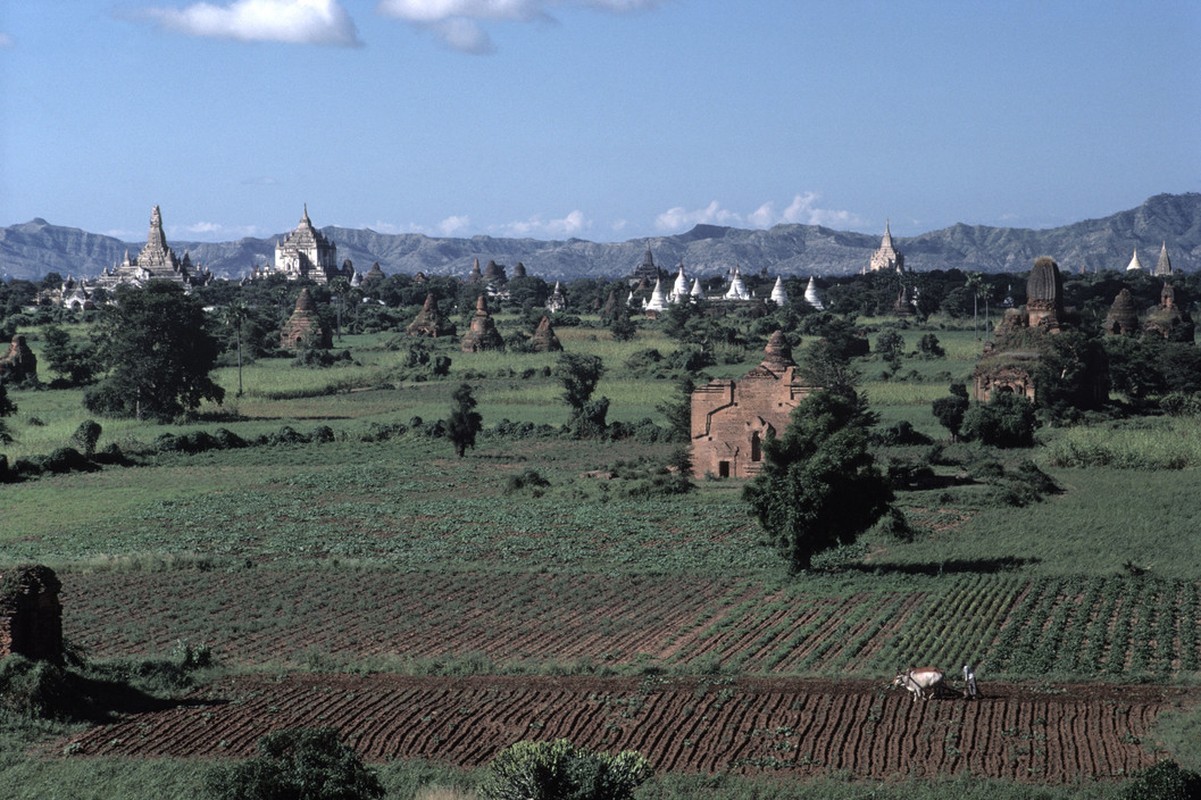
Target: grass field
1097, 582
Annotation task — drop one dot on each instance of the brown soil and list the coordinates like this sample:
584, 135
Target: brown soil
775, 725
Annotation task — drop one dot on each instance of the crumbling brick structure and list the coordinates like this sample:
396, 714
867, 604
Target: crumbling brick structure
732, 419
31, 618
304, 328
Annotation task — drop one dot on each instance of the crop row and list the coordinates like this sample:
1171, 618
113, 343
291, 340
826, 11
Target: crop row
1006, 625
1102, 626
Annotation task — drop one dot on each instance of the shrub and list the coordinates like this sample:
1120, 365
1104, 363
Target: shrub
528, 479
86, 436
67, 459
900, 434
559, 770
300, 764
34, 689
1008, 421
1164, 781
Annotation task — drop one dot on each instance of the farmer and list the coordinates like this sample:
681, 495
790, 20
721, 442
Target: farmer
969, 682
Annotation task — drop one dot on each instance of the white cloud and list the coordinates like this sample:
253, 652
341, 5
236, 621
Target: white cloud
680, 218
801, 210
571, 225
457, 22
464, 35
210, 231
5, 40
292, 21
454, 225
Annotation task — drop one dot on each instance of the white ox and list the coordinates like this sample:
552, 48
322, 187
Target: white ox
920, 680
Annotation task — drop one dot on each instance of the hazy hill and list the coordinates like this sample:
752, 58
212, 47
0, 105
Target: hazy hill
32, 249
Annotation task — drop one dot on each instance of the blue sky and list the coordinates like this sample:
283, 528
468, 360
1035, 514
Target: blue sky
599, 119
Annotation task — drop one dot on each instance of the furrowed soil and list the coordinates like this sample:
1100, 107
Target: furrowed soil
794, 727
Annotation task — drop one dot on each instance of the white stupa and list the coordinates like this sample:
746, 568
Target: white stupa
1134, 264
698, 292
658, 301
778, 295
812, 297
679, 292
737, 290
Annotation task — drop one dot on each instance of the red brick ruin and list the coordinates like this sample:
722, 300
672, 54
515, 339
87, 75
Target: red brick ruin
732, 419
31, 618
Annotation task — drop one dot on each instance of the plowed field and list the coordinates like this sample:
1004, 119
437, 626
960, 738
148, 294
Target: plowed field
790, 726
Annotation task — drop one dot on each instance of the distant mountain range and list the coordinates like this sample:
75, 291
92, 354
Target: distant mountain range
33, 249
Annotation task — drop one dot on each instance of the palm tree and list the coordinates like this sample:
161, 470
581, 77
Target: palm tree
235, 316
975, 282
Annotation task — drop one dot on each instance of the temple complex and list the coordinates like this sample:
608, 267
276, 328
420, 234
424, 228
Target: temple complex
1024, 338
886, 257
306, 254
646, 272
156, 261
732, 418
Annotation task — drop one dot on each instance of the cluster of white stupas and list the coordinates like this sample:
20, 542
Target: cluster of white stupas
682, 292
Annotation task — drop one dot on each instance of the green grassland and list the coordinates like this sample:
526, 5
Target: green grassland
1123, 525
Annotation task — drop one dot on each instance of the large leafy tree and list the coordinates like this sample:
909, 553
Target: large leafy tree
157, 349
819, 486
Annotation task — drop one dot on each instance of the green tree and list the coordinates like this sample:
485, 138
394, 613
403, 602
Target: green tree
559, 770
76, 362
579, 375
1007, 421
300, 764
950, 410
158, 350
819, 486
622, 328
824, 364
890, 346
464, 421
930, 347
678, 410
